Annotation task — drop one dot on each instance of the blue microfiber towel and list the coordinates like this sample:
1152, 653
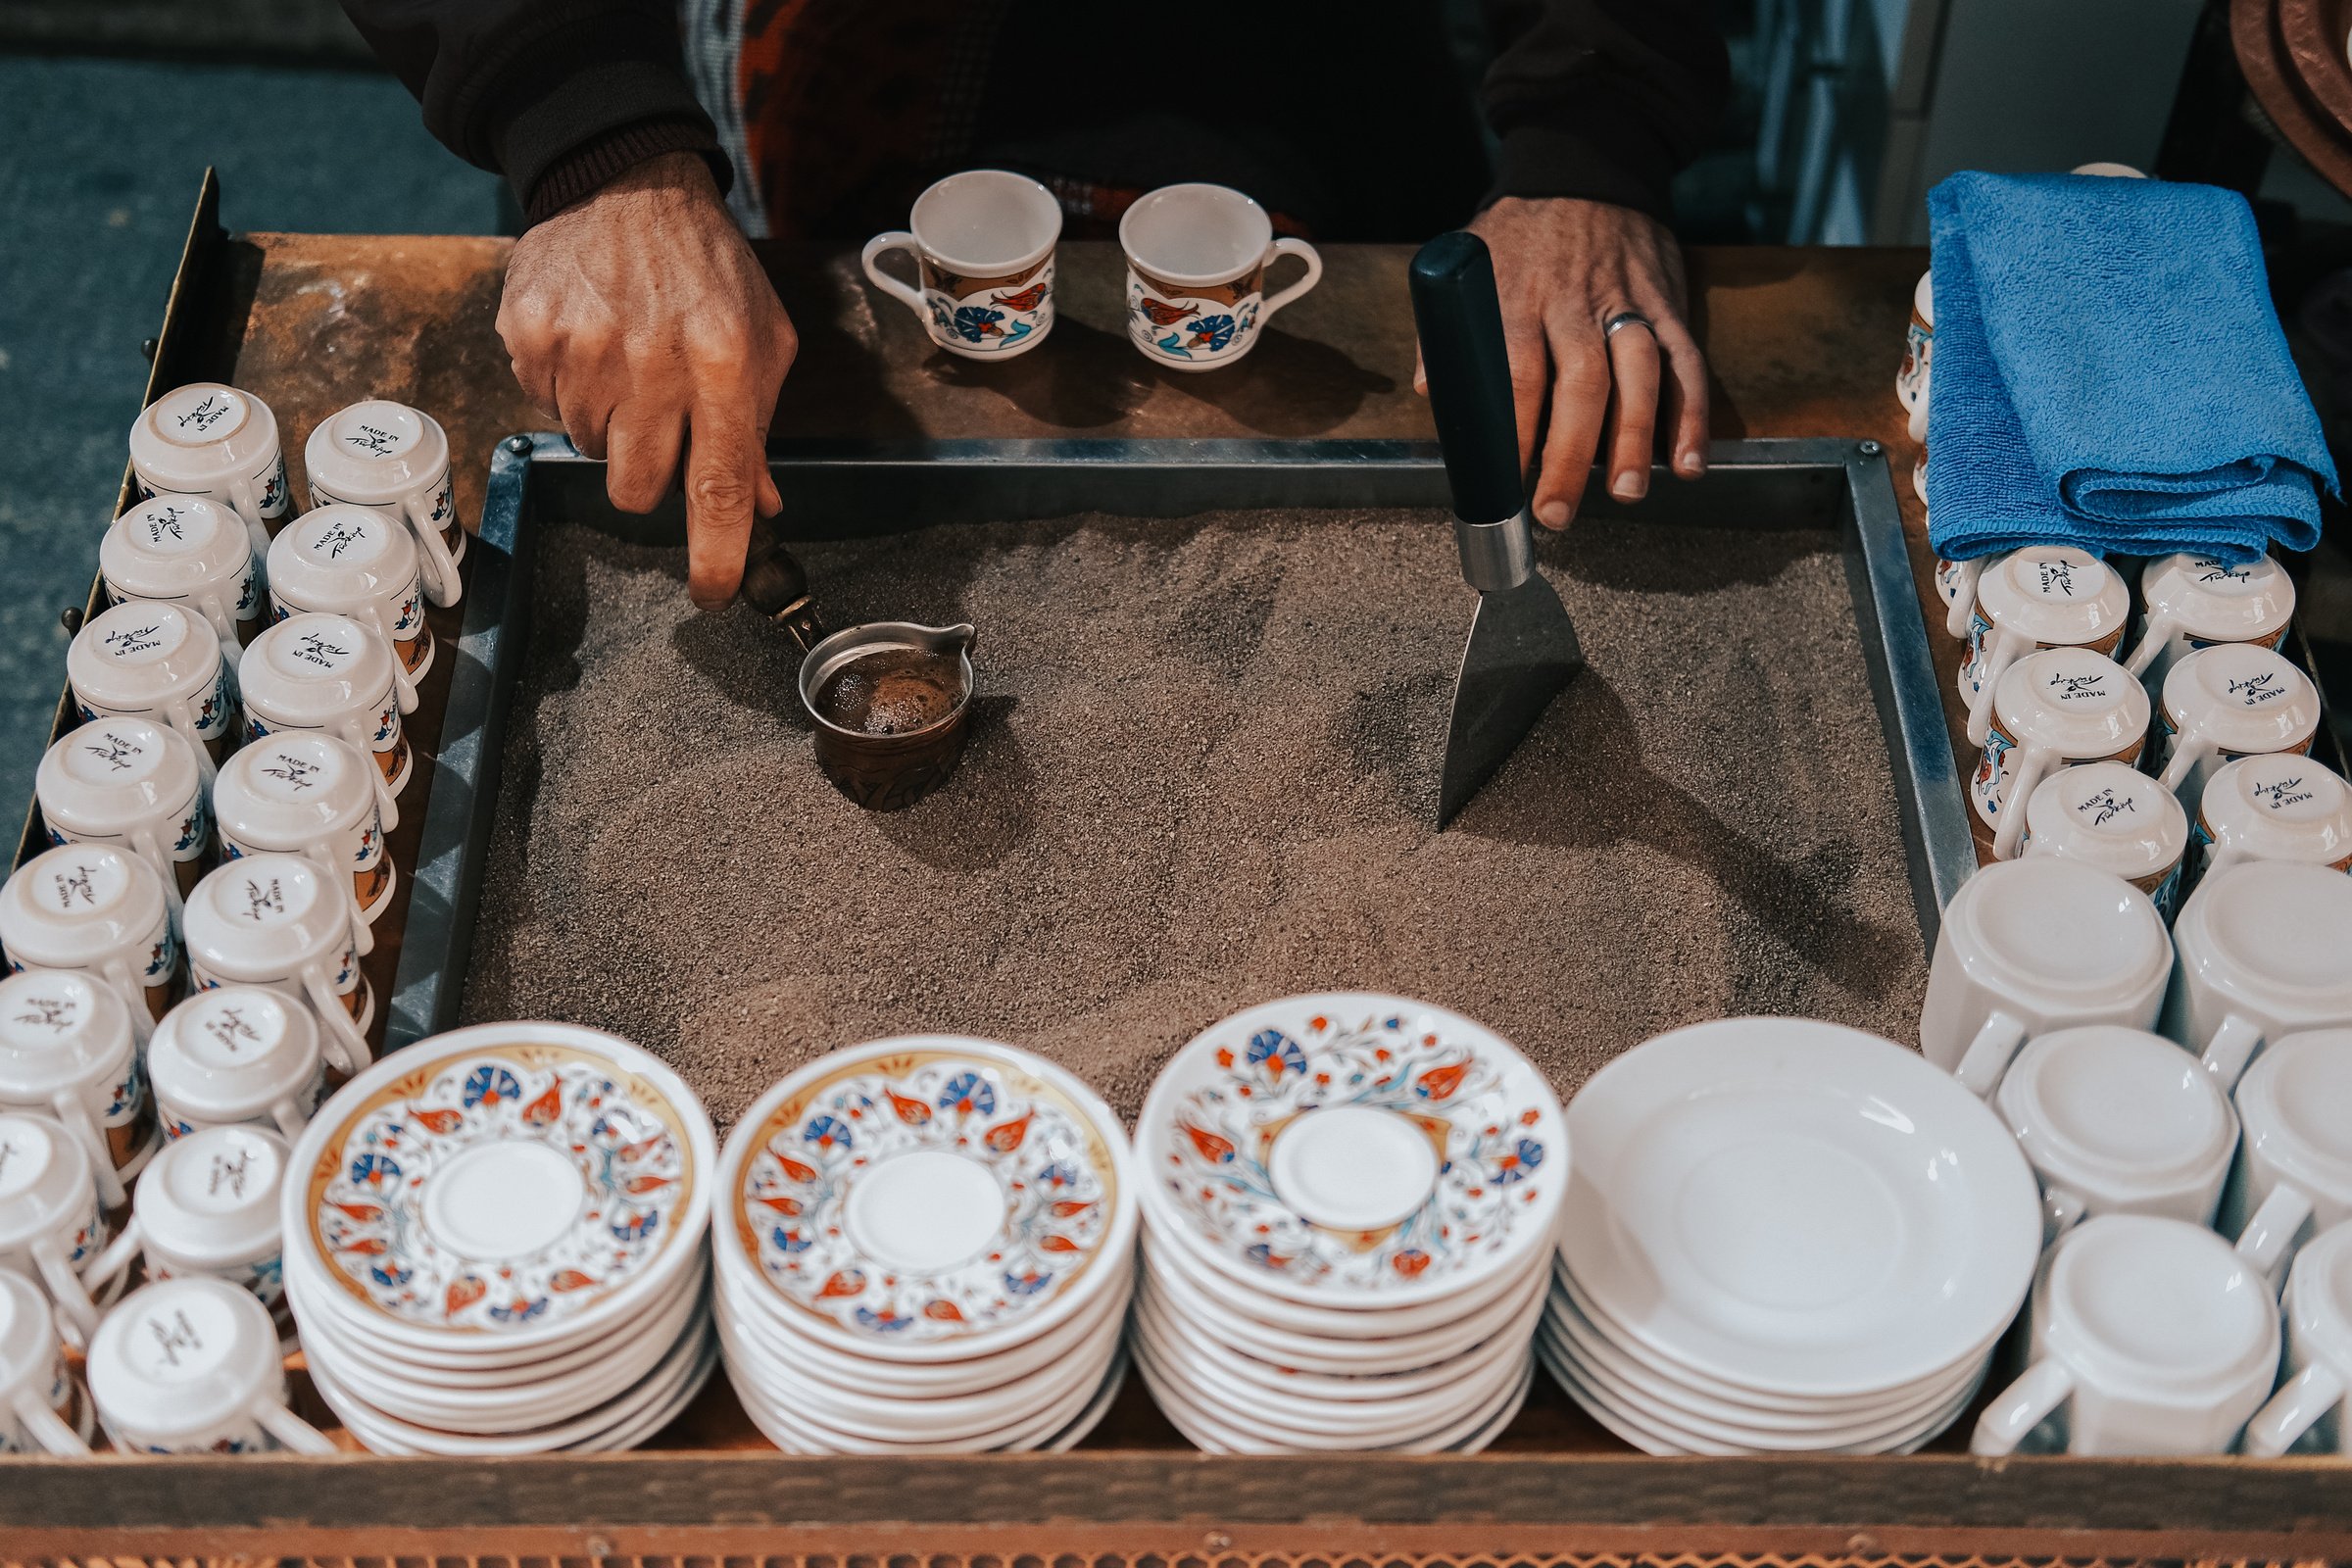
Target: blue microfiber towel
2109, 373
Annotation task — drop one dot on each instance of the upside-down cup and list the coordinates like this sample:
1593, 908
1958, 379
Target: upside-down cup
885, 771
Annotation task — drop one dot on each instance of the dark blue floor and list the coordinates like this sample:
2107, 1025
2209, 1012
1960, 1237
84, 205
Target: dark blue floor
99, 165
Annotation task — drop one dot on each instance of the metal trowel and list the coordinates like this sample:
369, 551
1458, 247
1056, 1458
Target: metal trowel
1522, 646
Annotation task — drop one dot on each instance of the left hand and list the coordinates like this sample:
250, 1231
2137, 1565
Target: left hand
1562, 267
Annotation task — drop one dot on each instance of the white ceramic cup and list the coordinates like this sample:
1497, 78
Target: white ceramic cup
2195, 600
2308, 1408
2044, 595
2149, 1336
2113, 817
278, 921
183, 550
331, 674
159, 662
134, 783
2230, 701
66, 1050
1196, 263
191, 1366
2263, 951
2280, 805
302, 792
2052, 709
2030, 946
99, 910
51, 1219
36, 1390
983, 246
236, 1056
357, 561
2118, 1121
2293, 1172
208, 1206
395, 458
1956, 581
217, 443
1918, 346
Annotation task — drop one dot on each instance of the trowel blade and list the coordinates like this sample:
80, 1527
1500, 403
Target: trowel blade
1522, 650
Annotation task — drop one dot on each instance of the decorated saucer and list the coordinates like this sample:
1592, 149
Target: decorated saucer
926, 1199
502, 1186
1355, 1151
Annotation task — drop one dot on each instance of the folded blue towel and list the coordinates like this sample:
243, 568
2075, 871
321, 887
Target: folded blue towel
2109, 373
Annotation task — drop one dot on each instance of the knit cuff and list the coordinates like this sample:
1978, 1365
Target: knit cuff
1604, 156
602, 159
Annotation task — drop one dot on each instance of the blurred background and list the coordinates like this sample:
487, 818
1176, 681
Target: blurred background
1847, 111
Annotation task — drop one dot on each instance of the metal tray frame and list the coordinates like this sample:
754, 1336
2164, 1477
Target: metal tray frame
842, 490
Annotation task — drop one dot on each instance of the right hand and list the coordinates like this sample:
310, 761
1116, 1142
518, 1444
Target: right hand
639, 318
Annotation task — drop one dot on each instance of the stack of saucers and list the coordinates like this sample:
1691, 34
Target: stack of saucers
495, 1243
1348, 1226
925, 1245
1784, 1235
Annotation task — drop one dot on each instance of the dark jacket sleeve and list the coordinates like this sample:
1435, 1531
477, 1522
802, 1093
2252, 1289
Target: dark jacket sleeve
1602, 99
559, 96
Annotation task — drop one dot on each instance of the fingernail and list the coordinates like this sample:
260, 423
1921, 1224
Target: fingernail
1691, 465
1552, 513
1629, 486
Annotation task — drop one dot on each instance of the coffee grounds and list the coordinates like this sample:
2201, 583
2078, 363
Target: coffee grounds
1202, 774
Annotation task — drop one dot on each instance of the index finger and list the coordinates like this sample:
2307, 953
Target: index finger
726, 472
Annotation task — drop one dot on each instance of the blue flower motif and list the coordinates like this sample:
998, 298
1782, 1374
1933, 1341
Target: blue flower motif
374, 1170
489, 1084
1059, 1174
636, 1228
1519, 1163
1212, 333
1028, 1284
976, 324
391, 1276
788, 1242
881, 1322
828, 1133
971, 1094
1275, 1052
521, 1313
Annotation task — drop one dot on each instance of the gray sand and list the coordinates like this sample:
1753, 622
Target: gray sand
1201, 776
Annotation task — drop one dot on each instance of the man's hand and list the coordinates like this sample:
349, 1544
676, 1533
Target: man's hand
640, 321
1563, 267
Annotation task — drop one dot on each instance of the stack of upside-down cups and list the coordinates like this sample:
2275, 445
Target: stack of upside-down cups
495, 1244
1349, 1224
925, 1245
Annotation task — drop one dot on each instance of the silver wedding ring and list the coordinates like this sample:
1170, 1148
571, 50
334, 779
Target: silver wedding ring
1624, 318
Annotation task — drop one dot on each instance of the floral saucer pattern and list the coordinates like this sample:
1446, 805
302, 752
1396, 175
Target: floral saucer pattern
1058, 1183
1495, 1130
371, 1207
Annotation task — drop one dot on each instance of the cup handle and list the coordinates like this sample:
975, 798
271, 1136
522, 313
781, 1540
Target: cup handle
76, 1116
361, 740
150, 849
346, 1046
2188, 752
362, 935
1314, 273
2152, 638
1917, 424
403, 682
48, 1431
2264, 1241
134, 991
2032, 762
2231, 1049
1955, 618
247, 504
2292, 1412
1998, 1039
290, 1429
2061, 1211
107, 1267
73, 1299
288, 1117
2001, 649
896, 240
183, 718
2021, 1407
443, 586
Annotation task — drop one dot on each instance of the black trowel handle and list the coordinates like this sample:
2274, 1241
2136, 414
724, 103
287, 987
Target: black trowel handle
1469, 376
